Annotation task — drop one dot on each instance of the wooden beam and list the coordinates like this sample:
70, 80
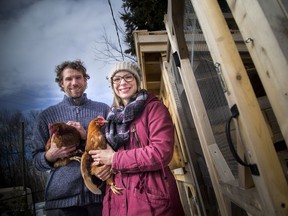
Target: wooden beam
152, 48
204, 131
220, 164
153, 38
176, 117
176, 8
264, 25
248, 200
200, 117
271, 183
154, 84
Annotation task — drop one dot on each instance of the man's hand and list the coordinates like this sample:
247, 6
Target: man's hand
54, 152
79, 127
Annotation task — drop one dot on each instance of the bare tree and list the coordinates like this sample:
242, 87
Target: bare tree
136, 15
107, 51
9, 147
11, 152
36, 179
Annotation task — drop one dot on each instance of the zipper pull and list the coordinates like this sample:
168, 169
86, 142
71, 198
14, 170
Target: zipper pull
77, 113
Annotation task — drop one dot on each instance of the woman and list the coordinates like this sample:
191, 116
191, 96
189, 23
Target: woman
141, 134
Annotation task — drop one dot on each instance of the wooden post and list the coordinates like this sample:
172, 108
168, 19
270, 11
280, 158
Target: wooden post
202, 123
271, 183
264, 26
22, 152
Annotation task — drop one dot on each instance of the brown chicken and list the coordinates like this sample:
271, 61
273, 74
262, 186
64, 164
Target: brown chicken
65, 135
95, 140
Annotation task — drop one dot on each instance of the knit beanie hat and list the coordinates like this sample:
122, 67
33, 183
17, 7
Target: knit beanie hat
126, 66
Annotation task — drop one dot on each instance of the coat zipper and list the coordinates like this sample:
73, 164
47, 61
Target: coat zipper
77, 113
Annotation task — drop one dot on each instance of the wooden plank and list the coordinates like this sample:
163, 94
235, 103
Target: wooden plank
246, 199
156, 38
244, 173
271, 184
191, 193
176, 8
203, 127
182, 50
283, 157
176, 117
266, 23
220, 164
205, 134
153, 84
177, 159
153, 48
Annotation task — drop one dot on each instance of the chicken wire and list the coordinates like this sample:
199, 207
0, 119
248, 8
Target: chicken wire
208, 83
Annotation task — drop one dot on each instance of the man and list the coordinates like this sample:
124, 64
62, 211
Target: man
66, 193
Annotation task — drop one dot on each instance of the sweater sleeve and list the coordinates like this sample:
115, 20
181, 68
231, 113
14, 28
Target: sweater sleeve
156, 135
40, 137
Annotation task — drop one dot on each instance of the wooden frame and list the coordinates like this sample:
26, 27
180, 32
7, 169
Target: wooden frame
263, 194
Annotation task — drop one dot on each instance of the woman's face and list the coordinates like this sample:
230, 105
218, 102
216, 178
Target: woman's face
124, 85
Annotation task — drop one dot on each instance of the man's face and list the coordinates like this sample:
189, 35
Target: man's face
73, 83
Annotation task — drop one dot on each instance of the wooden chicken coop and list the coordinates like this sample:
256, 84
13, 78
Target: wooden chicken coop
221, 68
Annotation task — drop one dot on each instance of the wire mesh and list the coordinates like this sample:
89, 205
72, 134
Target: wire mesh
208, 83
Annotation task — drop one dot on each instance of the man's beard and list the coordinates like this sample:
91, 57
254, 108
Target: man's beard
76, 97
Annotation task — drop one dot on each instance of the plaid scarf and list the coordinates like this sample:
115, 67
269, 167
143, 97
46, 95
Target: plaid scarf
119, 119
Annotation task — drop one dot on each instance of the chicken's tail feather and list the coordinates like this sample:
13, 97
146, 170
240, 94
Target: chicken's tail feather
85, 171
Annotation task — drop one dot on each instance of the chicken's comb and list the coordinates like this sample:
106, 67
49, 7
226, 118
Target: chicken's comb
51, 132
103, 120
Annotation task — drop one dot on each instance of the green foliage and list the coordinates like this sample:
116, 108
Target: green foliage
142, 15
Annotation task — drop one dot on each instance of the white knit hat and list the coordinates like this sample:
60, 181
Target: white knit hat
126, 66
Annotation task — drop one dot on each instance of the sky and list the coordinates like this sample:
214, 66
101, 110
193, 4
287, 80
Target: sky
37, 35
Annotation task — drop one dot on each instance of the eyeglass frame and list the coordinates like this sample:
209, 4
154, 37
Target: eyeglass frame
123, 77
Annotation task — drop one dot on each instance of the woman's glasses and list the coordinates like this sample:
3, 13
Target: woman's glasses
127, 78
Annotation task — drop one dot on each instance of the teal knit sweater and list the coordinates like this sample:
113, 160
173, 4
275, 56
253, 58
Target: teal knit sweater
65, 186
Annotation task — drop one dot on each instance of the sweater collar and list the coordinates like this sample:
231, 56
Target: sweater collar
69, 100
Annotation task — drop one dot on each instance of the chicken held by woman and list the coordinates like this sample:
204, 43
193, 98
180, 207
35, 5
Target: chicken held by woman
95, 141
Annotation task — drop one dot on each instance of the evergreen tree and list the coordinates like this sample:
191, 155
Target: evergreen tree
142, 15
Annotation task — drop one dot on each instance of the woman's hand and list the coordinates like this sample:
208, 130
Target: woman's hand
79, 127
103, 172
103, 156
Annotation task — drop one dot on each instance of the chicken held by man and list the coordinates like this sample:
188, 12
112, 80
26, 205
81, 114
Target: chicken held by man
65, 136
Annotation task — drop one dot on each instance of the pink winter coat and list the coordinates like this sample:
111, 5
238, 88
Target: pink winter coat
142, 168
